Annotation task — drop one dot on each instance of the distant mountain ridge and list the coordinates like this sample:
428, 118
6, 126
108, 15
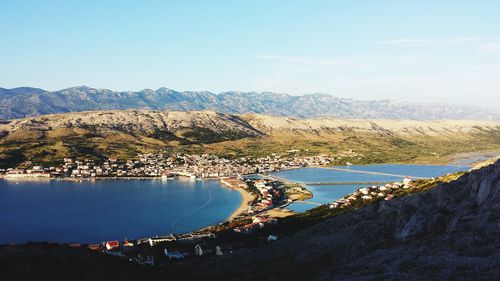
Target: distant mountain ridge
26, 101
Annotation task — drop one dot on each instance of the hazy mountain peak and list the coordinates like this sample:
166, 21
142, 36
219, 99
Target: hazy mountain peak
79, 88
164, 90
22, 102
22, 90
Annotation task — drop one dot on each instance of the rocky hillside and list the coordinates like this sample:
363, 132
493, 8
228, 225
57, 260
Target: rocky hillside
450, 232
150, 122
124, 133
161, 125
396, 127
23, 102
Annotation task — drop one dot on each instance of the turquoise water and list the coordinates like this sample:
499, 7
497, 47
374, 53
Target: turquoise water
427, 171
327, 193
64, 211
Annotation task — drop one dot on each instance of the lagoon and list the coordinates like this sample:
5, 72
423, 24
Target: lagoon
96, 211
323, 194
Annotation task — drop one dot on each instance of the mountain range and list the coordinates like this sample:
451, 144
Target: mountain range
26, 102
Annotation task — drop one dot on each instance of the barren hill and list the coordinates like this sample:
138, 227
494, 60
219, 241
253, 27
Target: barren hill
146, 122
124, 133
396, 126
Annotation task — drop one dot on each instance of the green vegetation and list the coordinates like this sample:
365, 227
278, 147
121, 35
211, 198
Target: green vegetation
292, 191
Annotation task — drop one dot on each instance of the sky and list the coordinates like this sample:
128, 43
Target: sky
424, 51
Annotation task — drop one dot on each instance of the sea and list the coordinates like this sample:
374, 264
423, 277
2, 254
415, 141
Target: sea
102, 210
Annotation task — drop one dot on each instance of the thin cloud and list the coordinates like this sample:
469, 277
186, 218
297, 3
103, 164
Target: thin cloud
306, 60
489, 48
344, 61
429, 41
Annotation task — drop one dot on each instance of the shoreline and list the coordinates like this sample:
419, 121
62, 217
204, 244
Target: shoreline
245, 198
471, 159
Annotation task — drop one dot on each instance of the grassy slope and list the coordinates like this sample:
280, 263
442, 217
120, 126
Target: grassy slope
51, 146
375, 148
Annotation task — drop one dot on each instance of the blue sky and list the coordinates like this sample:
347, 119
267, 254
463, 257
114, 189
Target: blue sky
428, 51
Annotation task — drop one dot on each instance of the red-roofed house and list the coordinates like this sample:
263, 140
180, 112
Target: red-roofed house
112, 245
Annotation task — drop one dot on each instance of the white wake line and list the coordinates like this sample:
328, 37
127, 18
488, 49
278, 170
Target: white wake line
193, 212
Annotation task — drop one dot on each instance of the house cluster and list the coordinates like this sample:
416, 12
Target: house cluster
147, 165
207, 166
270, 193
137, 253
113, 246
181, 238
211, 166
150, 165
257, 222
372, 192
34, 172
156, 165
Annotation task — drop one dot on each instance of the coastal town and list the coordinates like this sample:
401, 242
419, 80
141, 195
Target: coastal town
165, 166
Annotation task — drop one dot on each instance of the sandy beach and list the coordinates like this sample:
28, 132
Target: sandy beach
245, 198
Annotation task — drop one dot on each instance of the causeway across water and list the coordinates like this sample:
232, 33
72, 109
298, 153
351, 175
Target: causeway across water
368, 172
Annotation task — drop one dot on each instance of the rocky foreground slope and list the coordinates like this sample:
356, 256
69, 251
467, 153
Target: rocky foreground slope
451, 232
24, 102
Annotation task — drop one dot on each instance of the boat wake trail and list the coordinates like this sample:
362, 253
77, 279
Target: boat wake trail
192, 212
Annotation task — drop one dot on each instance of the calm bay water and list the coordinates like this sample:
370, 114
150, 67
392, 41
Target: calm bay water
327, 193
65, 211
